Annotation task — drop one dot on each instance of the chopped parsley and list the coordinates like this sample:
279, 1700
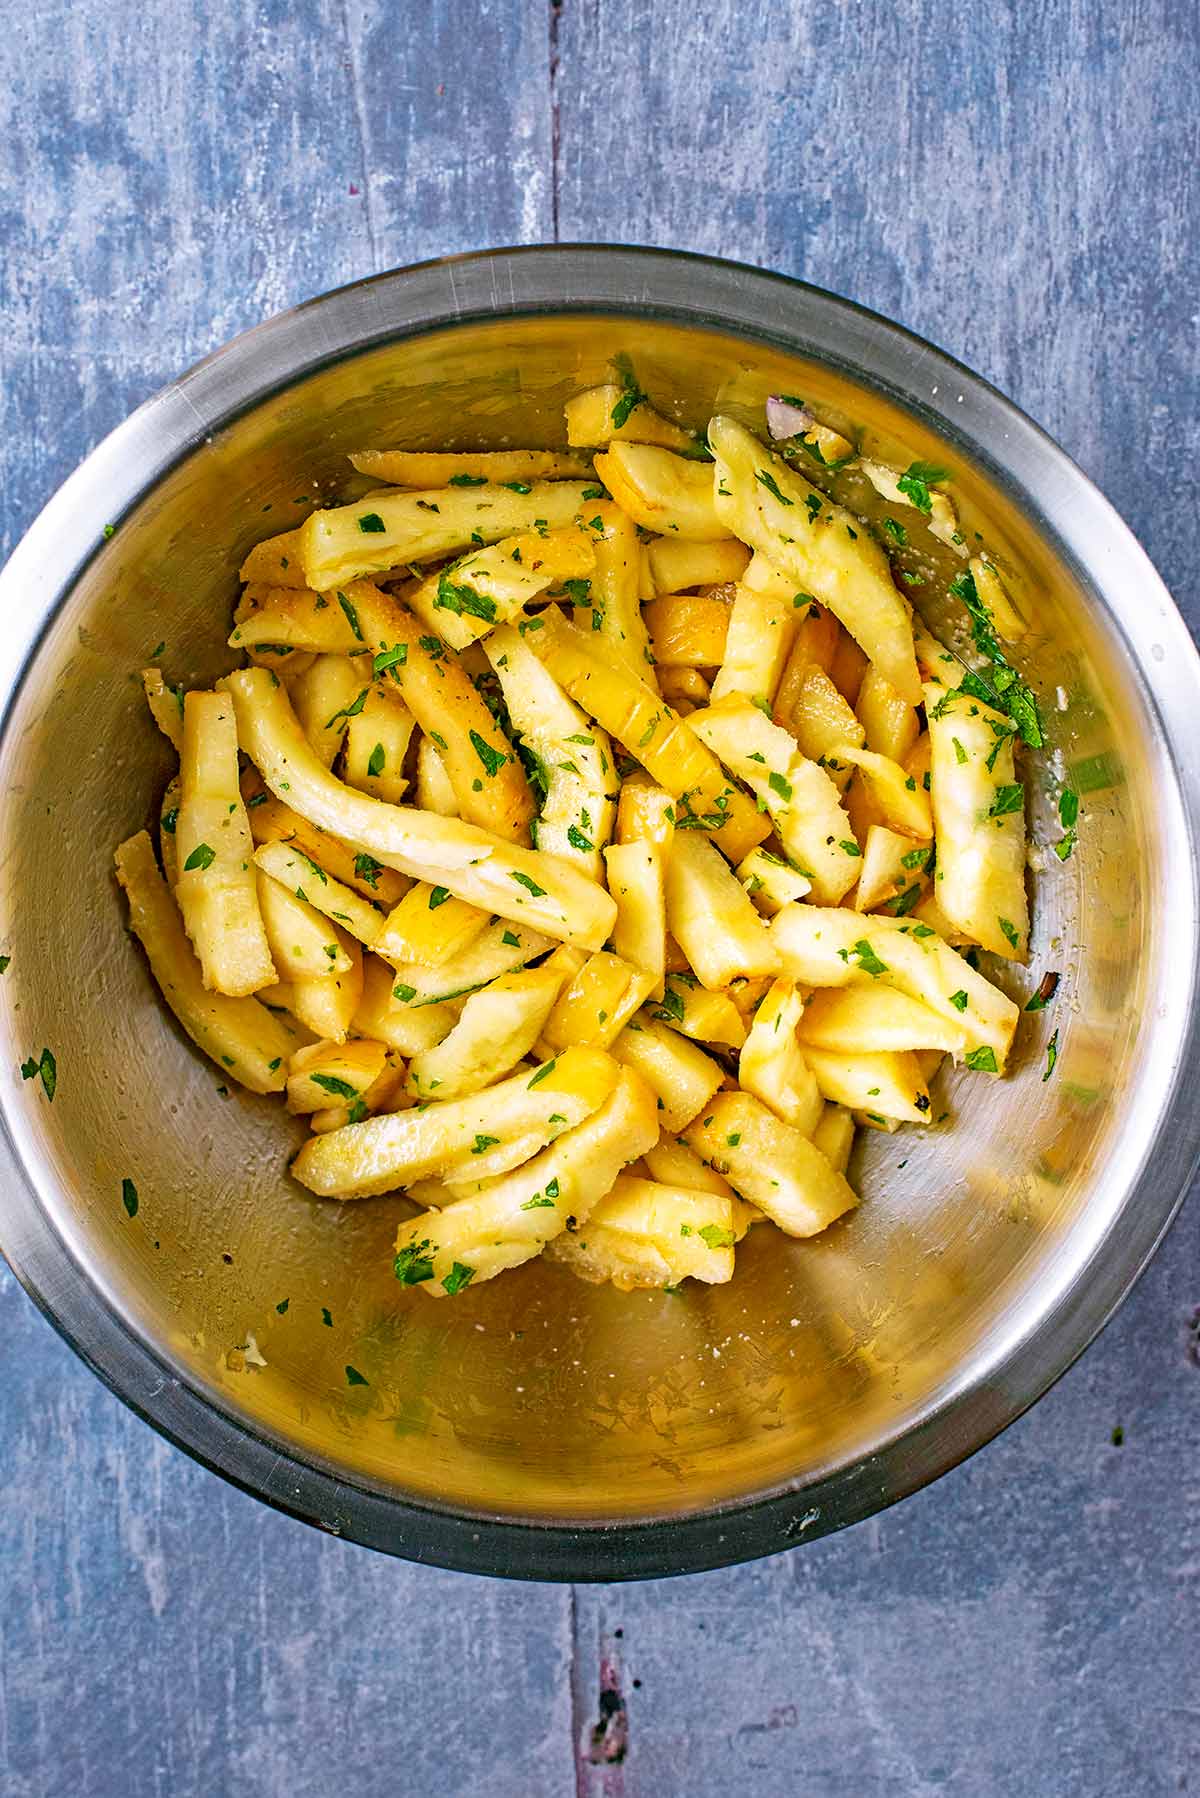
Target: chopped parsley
438, 896
577, 839
1011, 933
460, 1275
457, 597
538, 1203
630, 398
329, 1083
1003, 688
916, 481
868, 961
1051, 1057
510, 941
467, 480
376, 760
768, 481
982, 1061
351, 616
527, 881
895, 531
129, 1196
350, 711
414, 1264
1044, 994
714, 1237
354, 1378
1009, 798
390, 658
371, 523
542, 1073
779, 785
959, 1000
367, 869
671, 1009
202, 856
493, 759
482, 1143
849, 847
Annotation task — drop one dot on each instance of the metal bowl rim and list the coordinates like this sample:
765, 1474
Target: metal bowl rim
731, 298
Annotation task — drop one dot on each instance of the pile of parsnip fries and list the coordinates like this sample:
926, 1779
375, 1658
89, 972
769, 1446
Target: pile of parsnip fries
593, 838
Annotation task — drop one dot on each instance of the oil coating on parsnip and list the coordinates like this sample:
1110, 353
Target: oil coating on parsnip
575, 755
498, 1025
661, 491
216, 888
491, 586
819, 545
885, 1082
647, 1233
770, 1164
772, 1064
651, 732
445, 468
486, 774
344, 542
240, 1035
520, 884
476, 1238
823, 946
500, 948
710, 916
980, 856
799, 798
384, 1153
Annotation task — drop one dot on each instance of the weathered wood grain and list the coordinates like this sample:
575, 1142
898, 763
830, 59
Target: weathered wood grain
1021, 185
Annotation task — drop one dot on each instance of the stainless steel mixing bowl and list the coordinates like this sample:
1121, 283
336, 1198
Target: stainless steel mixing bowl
537, 1426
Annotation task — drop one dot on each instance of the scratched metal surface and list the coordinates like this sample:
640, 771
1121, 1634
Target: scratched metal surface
1020, 183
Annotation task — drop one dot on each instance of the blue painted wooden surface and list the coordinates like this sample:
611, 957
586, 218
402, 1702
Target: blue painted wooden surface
1019, 183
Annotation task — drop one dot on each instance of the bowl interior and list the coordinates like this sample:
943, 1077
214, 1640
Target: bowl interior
536, 1396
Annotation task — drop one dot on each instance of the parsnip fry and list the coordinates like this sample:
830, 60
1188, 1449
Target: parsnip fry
800, 799
771, 883
501, 948
480, 1236
499, 1024
327, 1005
834, 1136
377, 740
772, 1064
216, 887
303, 947
469, 469
837, 947
575, 756
409, 1029
287, 864
293, 615
273, 822
637, 881
434, 791
860, 1020
663, 492
895, 872
676, 566
389, 531
464, 600
647, 1234
605, 414
246, 1041
885, 1082
696, 1011
485, 772
651, 732
429, 926
166, 705
276, 563
688, 630
323, 698
323, 1071
616, 613
596, 1002
771, 1164
710, 916
682, 1077
168, 816
521, 884
384, 1153
761, 629
900, 797
890, 723
818, 544
979, 821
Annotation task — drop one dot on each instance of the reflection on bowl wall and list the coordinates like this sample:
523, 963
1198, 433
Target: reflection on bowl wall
537, 1425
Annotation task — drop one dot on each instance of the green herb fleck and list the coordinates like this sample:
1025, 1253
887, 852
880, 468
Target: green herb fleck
530, 885
202, 856
460, 1275
542, 1073
129, 1196
982, 1061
